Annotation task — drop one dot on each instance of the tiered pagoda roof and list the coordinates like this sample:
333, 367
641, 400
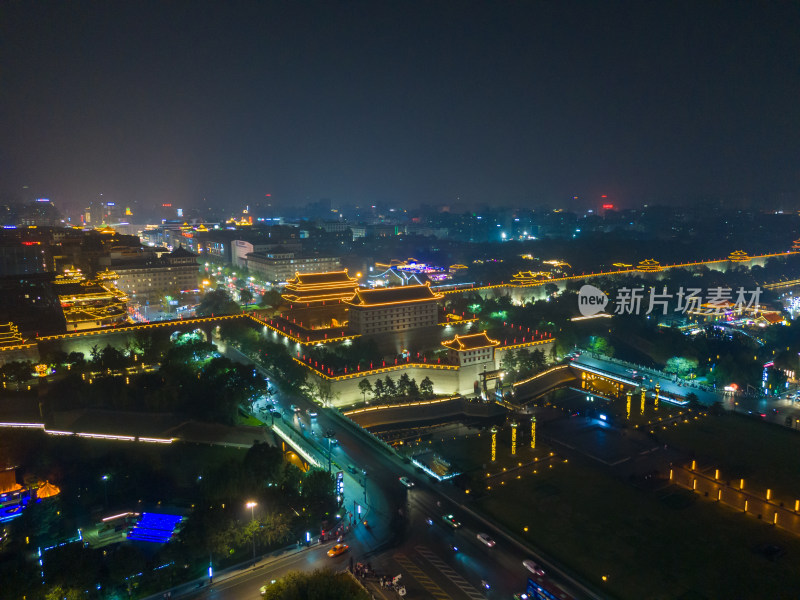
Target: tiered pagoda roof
474, 341
649, 265
9, 334
395, 295
90, 300
528, 277
739, 256
319, 287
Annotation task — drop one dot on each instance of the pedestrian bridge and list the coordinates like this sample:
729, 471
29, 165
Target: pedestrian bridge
579, 376
292, 443
542, 383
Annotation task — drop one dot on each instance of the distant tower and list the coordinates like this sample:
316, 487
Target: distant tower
605, 205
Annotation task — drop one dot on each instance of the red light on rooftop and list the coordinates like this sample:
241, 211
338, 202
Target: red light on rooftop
608, 206
604, 196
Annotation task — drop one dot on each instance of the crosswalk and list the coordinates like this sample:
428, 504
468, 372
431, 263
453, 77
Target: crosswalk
448, 572
430, 586
423, 555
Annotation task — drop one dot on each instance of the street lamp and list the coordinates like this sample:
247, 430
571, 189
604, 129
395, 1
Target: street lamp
105, 479
329, 436
252, 506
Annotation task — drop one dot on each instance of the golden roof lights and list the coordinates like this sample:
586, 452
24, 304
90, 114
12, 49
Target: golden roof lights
739, 256
649, 265
474, 341
393, 296
320, 287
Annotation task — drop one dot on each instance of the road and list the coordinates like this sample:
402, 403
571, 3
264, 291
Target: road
246, 584
399, 540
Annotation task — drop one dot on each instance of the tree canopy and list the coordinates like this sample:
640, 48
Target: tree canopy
319, 585
217, 302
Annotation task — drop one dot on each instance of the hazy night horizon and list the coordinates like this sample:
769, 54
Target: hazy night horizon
421, 103
441, 299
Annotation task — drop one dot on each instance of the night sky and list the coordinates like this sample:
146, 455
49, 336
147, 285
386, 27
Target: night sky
502, 102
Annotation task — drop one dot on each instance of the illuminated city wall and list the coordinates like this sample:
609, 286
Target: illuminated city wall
522, 294
346, 392
447, 380
83, 341
415, 412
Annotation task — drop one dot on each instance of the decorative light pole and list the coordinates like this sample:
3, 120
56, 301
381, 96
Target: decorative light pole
329, 436
513, 438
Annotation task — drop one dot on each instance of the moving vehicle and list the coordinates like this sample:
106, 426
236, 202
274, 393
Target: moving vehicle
533, 567
452, 521
487, 540
263, 589
313, 414
352, 469
407, 482
338, 549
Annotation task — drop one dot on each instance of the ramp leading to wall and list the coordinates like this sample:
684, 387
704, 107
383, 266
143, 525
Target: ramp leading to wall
424, 410
538, 385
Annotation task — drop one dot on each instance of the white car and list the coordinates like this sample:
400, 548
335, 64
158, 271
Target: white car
407, 482
533, 567
486, 540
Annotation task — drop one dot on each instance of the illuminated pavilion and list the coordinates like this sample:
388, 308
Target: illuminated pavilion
92, 303
397, 309
649, 265
9, 335
739, 256
529, 277
309, 288
475, 348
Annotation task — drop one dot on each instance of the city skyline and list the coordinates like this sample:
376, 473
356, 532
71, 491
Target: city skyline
517, 104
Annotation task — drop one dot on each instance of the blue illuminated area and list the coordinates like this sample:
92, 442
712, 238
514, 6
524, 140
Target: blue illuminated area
12, 505
551, 592
156, 528
9, 512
